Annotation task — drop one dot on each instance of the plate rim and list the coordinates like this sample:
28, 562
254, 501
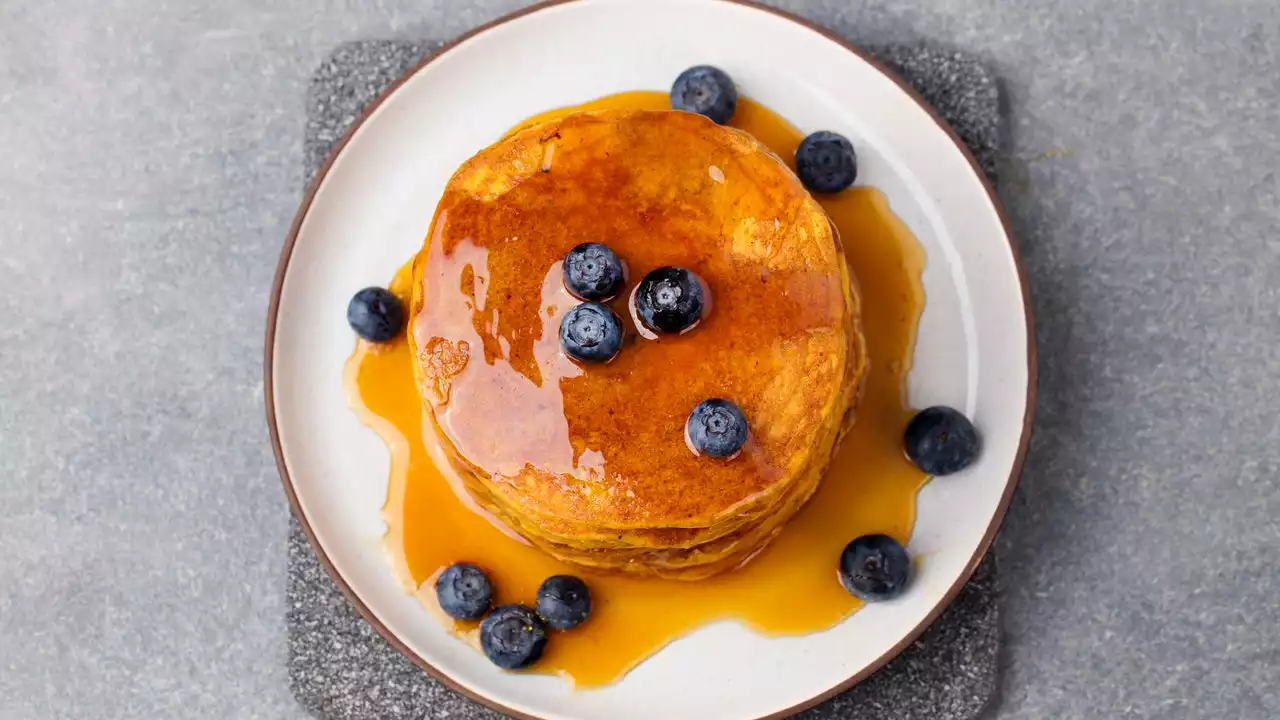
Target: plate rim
304, 208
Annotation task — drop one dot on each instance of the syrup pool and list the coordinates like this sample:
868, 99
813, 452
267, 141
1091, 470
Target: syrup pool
790, 588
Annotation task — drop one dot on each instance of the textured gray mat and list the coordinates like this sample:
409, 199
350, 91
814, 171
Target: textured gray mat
340, 669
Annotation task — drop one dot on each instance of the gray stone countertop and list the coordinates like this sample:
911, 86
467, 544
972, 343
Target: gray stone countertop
150, 163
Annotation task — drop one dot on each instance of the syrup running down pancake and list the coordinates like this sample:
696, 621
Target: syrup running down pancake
590, 462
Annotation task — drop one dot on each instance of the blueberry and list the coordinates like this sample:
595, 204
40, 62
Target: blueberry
875, 567
464, 591
669, 300
592, 272
375, 314
941, 441
717, 428
826, 163
513, 637
564, 601
707, 91
591, 332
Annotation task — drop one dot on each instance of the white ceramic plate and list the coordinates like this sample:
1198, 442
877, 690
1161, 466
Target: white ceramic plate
370, 209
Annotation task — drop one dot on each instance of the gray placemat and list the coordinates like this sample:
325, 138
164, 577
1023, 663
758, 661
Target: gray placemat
340, 669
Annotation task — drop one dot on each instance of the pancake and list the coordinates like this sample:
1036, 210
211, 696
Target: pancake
590, 462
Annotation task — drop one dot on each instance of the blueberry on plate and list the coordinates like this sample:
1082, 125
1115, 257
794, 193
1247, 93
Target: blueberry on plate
875, 567
591, 332
941, 441
592, 272
375, 314
707, 91
464, 591
716, 427
564, 601
513, 637
669, 300
826, 163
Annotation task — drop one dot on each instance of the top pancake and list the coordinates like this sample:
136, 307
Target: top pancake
575, 449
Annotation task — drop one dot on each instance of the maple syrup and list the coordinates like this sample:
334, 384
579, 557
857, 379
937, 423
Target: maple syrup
791, 587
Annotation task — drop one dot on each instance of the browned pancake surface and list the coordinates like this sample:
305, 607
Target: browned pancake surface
587, 449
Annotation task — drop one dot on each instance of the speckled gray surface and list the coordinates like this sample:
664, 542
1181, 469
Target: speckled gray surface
341, 670
148, 173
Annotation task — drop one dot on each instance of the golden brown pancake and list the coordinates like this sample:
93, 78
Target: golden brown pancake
589, 462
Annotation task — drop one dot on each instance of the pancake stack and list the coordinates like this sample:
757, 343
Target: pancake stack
590, 462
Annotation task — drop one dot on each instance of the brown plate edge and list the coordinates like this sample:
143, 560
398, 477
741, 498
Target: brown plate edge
273, 312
